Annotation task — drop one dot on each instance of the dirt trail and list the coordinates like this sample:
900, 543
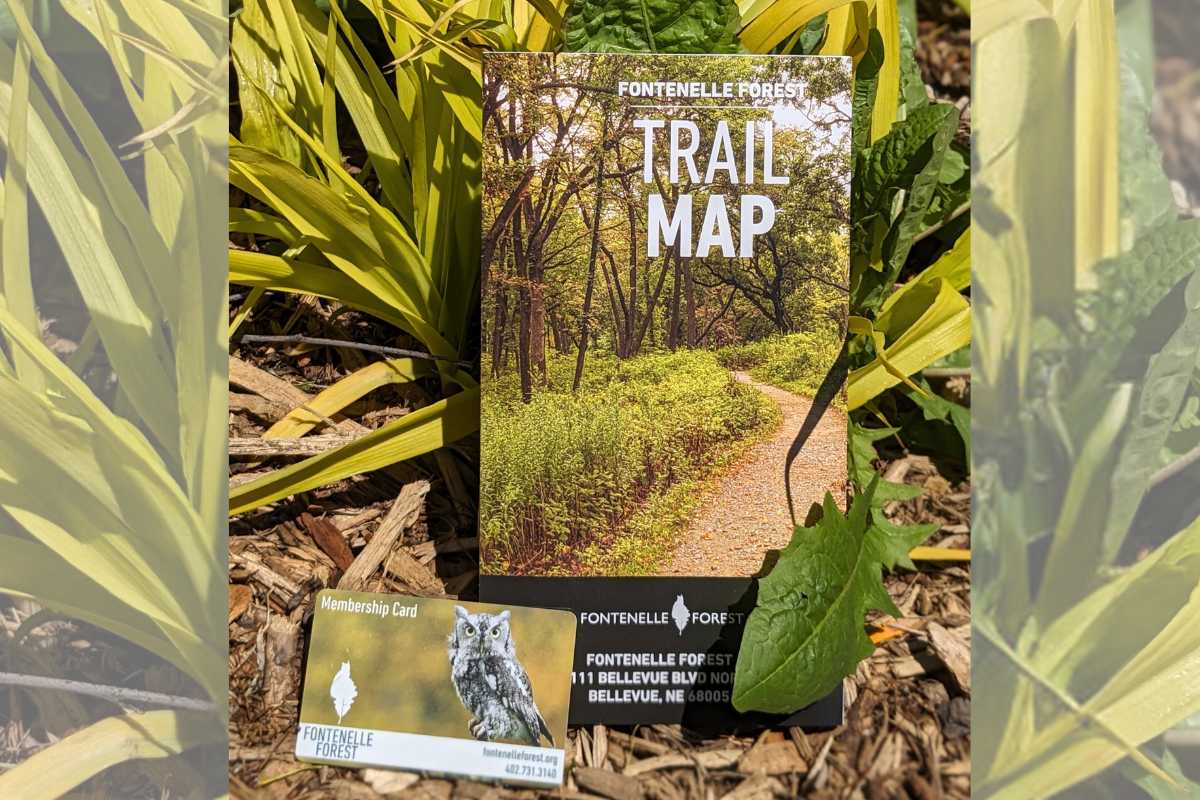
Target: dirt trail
746, 514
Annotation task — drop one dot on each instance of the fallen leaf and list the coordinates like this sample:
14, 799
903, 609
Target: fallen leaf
954, 651
240, 596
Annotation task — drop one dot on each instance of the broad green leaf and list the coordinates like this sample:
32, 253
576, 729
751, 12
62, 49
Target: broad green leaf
807, 631
866, 87
652, 26
902, 168
862, 465
1133, 284
936, 407
56, 771
1159, 400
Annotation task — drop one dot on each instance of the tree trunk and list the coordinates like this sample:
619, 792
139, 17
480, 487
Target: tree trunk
499, 323
537, 319
629, 349
690, 288
522, 312
585, 318
676, 294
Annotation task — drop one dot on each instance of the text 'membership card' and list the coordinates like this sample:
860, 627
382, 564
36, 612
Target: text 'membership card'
456, 688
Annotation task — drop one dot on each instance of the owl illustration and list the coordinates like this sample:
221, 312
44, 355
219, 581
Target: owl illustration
490, 681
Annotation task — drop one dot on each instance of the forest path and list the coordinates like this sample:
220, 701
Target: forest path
746, 514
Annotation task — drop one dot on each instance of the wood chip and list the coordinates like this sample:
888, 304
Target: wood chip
599, 745
256, 406
771, 758
410, 572
282, 639
709, 759
331, 540
760, 787
638, 744
261, 573
277, 390
952, 647
240, 596
401, 516
254, 447
387, 782
608, 784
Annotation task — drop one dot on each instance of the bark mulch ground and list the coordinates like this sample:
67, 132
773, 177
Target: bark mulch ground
907, 725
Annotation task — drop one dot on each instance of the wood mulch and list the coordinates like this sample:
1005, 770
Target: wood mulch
906, 732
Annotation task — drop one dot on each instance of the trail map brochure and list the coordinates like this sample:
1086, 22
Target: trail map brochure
665, 287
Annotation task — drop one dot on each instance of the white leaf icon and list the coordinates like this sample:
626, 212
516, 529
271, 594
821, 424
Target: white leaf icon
679, 613
343, 691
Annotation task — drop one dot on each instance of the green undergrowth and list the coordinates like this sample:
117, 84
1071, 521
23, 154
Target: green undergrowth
602, 481
796, 362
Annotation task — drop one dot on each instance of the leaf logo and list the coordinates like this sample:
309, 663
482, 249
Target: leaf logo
679, 613
343, 691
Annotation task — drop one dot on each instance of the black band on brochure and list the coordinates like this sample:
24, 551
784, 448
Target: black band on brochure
655, 650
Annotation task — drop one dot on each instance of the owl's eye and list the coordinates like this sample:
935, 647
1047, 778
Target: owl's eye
470, 631
495, 633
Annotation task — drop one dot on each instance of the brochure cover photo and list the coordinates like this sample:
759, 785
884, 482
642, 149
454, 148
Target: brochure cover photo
664, 290
437, 685
665, 285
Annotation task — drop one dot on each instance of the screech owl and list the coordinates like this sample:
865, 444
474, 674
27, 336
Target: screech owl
490, 681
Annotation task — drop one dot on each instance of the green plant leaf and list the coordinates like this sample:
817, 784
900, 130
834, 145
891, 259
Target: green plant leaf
652, 26
415, 434
1158, 404
806, 632
1183, 787
1133, 284
928, 322
901, 169
332, 400
862, 465
1145, 190
866, 86
55, 771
